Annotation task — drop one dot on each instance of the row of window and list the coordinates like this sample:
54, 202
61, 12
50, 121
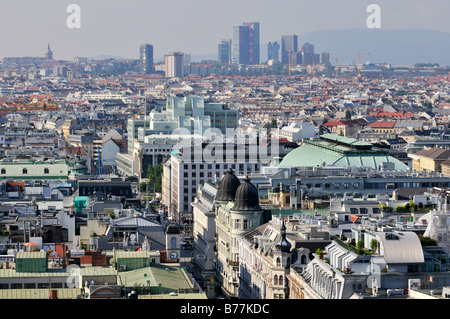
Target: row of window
363, 210
25, 171
217, 166
33, 285
335, 185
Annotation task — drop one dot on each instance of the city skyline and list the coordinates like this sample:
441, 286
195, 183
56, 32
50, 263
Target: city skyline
115, 28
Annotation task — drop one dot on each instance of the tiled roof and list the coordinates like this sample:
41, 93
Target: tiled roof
435, 153
387, 124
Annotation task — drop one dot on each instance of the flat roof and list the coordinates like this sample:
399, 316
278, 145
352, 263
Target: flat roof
132, 254
170, 276
87, 271
31, 254
196, 295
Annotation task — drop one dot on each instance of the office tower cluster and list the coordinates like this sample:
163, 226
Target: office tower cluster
290, 53
244, 48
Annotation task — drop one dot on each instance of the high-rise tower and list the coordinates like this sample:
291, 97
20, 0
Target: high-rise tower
273, 51
146, 57
289, 45
174, 62
224, 52
246, 44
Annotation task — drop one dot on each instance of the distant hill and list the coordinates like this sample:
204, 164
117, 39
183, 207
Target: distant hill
397, 47
105, 57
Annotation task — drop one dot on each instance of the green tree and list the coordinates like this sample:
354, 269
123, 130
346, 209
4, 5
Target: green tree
154, 175
360, 244
274, 123
374, 245
428, 241
348, 115
320, 130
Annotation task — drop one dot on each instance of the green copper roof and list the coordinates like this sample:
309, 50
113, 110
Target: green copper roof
167, 277
336, 150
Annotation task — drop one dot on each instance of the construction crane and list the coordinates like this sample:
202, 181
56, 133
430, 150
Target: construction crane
337, 69
289, 53
26, 104
352, 53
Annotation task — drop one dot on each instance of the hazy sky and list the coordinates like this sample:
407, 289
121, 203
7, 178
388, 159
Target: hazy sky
118, 27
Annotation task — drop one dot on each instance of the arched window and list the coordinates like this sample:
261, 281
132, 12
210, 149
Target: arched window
3, 171
25, 171
46, 171
280, 280
173, 242
275, 280
278, 262
303, 259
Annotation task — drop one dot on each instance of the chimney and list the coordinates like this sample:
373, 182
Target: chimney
53, 294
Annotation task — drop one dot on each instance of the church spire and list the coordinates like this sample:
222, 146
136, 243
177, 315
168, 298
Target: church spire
49, 53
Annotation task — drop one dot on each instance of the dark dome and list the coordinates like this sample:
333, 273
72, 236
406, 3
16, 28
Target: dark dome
173, 229
284, 244
246, 197
228, 186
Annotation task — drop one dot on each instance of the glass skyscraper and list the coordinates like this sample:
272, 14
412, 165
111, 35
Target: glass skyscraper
224, 52
273, 51
245, 43
289, 45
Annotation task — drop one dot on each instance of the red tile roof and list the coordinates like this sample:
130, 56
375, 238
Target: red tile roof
387, 124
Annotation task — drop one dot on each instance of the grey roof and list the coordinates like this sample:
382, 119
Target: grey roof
135, 222
435, 153
99, 207
404, 247
408, 192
